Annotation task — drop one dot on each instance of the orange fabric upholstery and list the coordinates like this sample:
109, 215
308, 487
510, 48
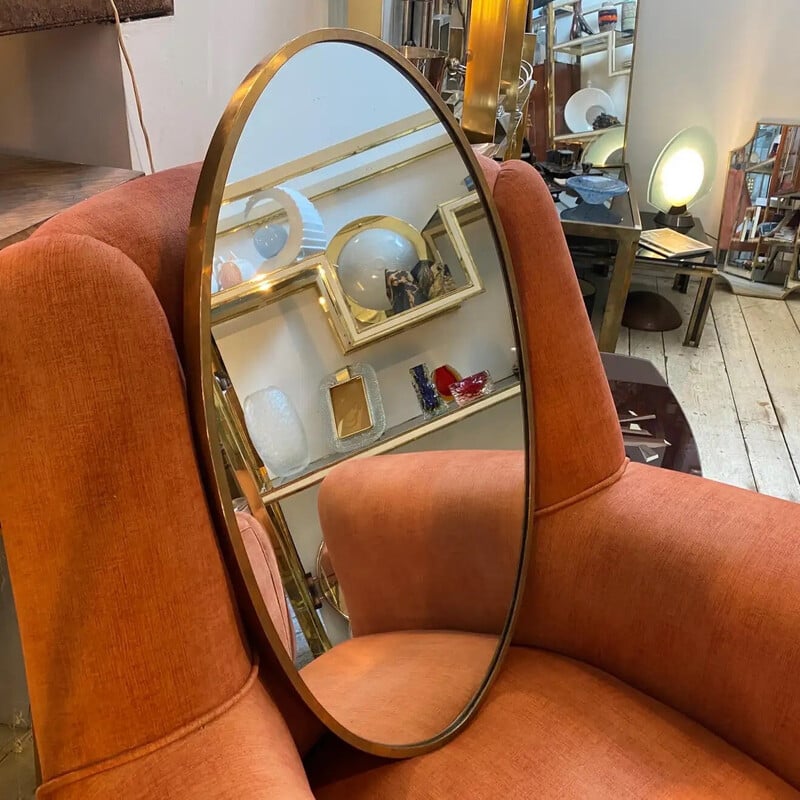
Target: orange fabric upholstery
268, 576
241, 753
411, 561
688, 590
142, 684
436, 673
577, 437
555, 728
684, 588
147, 220
129, 629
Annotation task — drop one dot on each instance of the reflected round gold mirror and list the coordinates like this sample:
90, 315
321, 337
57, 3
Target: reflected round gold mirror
352, 337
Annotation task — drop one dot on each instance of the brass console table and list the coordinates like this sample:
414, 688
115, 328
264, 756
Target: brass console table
626, 234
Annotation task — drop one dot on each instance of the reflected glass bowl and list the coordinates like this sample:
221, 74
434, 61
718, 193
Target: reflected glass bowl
596, 189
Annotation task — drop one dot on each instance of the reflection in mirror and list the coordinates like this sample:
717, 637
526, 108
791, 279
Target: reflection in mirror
349, 217
759, 240
583, 63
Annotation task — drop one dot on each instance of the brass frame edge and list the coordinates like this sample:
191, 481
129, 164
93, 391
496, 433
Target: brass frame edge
200, 390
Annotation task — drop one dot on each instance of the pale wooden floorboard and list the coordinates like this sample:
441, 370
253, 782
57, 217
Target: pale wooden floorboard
793, 304
17, 768
740, 389
776, 338
772, 466
699, 379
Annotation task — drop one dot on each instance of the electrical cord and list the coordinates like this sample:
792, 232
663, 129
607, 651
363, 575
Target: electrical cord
134, 84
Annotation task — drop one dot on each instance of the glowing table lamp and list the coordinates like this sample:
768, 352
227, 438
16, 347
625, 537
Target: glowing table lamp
683, 173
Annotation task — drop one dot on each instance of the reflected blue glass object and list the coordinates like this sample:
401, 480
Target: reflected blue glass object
269, 240
430, 400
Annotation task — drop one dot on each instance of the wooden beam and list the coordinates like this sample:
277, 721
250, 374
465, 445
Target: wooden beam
18, 16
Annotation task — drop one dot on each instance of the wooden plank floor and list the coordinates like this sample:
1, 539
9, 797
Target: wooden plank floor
740, 389
17, 770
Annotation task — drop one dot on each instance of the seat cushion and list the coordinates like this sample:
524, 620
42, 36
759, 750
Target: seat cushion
436, 673
553, 727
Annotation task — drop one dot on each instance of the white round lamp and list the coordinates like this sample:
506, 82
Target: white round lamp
683, 173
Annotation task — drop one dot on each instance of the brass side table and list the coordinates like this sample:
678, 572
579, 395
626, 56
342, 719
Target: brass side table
626, 234
703, 267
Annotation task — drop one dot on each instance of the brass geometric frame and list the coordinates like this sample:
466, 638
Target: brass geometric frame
317, 271
198, 359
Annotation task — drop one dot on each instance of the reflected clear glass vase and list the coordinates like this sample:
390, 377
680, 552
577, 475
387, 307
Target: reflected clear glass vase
276, 431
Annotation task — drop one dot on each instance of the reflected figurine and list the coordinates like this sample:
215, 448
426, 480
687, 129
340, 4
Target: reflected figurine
433, 279
402, 291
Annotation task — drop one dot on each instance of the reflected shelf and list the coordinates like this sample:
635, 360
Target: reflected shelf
394, 437
585, 136
598, 43
762, 168
247, 296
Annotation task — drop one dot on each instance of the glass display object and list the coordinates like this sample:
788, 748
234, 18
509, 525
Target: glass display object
430, 400
352, 409
277, 432
472, 388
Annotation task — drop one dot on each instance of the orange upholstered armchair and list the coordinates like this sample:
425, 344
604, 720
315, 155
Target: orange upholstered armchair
658, 649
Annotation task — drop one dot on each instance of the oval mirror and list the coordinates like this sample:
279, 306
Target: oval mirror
351, 337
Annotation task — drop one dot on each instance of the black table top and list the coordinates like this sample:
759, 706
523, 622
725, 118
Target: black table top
697, 232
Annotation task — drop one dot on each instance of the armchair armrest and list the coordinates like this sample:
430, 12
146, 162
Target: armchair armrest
426, 540
685, 588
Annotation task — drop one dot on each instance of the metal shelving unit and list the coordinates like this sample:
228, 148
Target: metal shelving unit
608, 42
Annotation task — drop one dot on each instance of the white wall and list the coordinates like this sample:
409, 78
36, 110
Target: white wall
722, 64
64, 93
189, 65
61, 96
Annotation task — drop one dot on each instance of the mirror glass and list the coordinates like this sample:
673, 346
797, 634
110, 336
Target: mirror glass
583, 61
759, 239
361, 388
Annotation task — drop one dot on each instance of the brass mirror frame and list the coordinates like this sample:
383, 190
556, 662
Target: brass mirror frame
199, 355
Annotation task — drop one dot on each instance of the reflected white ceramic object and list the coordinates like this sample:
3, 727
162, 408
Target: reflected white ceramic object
585, 106
305, 230
276, 431
365, 260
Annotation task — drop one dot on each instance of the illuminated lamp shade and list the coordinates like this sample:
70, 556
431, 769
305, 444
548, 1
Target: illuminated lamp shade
607, 150
683, 173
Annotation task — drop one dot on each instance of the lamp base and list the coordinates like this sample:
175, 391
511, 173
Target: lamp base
649, 311
678, 218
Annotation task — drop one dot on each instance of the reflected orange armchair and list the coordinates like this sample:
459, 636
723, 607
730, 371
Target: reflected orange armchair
658, 648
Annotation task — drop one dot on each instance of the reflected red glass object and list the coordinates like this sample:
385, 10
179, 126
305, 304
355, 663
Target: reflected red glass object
443, 378
471, 388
